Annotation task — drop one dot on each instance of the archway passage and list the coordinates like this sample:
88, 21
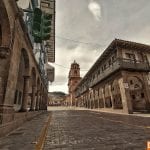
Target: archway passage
137, 93
116, 95
23, 72
108, 102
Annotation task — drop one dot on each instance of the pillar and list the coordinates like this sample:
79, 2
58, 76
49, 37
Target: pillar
111, 97
103, 97
147, 90
32, 108
125, 96
25, 93
41, 102
37, 100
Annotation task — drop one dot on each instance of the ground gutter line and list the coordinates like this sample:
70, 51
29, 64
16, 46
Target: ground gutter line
40, 142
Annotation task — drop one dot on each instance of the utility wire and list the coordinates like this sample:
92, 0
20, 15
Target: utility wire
76, 41
67, 67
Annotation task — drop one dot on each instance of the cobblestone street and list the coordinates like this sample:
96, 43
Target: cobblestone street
26, 135
89, 130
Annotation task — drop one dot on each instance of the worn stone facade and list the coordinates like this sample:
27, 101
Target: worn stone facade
21, 85
119, 80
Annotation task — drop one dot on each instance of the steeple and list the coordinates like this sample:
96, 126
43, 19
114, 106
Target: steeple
74, 79
74, 70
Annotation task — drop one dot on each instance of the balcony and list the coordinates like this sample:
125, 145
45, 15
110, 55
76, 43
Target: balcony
118, 64
122, 64
134, 65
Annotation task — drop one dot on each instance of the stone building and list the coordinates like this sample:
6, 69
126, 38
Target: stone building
73, 80
23, 83
119, 80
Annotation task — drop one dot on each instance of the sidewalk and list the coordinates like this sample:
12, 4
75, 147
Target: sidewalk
25, 137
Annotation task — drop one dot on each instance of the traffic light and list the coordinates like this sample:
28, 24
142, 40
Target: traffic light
41, 25
45, 26
36, 27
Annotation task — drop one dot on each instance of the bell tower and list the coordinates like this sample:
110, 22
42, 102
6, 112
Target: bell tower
73, 80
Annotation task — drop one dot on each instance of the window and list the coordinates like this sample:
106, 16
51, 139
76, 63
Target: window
75, 72
109, 62
16, 97
104, 67
142, 95
131, 82
45, 4
130, 56
93, 76
133, 96
113, 58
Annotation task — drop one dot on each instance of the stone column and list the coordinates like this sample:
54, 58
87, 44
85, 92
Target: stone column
41, 102
147, 90
112, 101
103, 97
25, 94
37, 100
32, 108
45, 101
125, 96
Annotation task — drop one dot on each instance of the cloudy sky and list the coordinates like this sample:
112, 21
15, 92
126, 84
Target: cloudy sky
84, 28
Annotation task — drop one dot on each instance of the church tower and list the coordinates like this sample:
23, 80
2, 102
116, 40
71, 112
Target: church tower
73, 80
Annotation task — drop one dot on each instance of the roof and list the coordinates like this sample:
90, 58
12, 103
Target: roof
116, 43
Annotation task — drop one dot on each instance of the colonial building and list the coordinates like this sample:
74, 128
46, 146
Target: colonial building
73, 80
23, 82
119, 80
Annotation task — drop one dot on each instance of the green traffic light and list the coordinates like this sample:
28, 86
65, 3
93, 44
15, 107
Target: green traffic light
48, 16
41, 25
45, 26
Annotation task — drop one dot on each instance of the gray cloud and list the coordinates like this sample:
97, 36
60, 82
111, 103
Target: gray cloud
126, 19
95, 9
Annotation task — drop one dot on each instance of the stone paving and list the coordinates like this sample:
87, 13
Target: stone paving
88, 130
25, 136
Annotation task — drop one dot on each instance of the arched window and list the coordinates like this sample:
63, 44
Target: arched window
75, 72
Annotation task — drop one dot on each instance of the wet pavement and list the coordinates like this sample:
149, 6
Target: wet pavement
89, 130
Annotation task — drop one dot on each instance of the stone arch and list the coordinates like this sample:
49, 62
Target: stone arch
137, 93
116, 95
23, 76
135, 83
